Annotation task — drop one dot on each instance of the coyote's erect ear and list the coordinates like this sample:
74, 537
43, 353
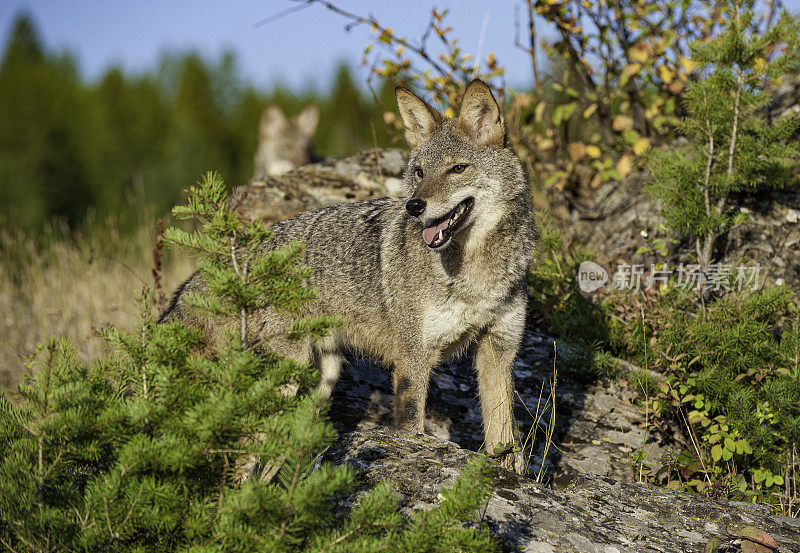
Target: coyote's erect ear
273, 121
307, 119
419, 119
480, 118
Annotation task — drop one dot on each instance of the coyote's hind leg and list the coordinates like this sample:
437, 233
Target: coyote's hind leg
328, 359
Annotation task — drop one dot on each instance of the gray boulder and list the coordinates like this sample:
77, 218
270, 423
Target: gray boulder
591, 514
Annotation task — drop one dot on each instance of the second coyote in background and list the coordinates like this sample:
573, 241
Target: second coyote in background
284, 143
417, 280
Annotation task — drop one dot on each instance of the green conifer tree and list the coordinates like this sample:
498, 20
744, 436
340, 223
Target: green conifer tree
42, 125
240, 276
163, 446
734, 146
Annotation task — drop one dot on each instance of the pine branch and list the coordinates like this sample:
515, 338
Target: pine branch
735, 128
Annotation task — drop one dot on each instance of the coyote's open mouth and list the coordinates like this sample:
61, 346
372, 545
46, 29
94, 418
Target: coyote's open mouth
439, 231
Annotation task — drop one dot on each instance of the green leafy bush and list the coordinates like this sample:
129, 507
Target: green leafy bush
732, 381
555, 300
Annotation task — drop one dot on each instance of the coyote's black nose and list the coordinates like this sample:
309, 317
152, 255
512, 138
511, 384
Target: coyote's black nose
415, 207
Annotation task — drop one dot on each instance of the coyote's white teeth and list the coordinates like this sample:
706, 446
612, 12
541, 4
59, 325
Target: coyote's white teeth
434, 233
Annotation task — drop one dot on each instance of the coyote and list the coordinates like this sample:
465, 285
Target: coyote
284, 143
419, 279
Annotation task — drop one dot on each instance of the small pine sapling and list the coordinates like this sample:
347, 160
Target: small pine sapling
240, 275
141, 450
734, 145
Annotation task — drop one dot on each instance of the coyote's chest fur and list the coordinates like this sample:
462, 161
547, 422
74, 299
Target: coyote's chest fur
455, 315
452, 324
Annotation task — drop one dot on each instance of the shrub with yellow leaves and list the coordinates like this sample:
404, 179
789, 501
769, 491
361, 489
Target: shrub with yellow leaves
617, 73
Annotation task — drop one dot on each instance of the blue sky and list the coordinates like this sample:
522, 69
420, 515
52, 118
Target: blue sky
299, 49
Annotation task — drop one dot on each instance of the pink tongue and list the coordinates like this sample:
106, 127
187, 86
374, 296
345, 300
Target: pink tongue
430, 233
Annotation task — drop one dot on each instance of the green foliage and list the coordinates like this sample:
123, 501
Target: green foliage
732, 370
731, 379
144, 451
555, 299
737, 360
733, 145
160, 447
240, 274
349, 122
731, 364
40, 149
69, 148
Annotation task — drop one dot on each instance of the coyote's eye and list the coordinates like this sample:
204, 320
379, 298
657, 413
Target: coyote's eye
418, 172
458, 169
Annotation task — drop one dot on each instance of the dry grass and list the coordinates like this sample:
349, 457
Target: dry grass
72, 285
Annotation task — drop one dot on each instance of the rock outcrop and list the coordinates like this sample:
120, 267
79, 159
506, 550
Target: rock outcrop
594, 428
591, 514
610, 221
363, 176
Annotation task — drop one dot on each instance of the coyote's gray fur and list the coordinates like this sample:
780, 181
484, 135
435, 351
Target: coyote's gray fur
417, 280
284, 143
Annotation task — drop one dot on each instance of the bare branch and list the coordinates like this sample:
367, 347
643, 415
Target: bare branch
8, 545
373, 23
530, 50
280, 15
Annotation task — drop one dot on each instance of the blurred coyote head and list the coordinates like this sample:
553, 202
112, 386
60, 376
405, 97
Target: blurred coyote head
284, 143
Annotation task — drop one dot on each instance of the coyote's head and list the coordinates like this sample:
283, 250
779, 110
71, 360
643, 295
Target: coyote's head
284, 143
461, 172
